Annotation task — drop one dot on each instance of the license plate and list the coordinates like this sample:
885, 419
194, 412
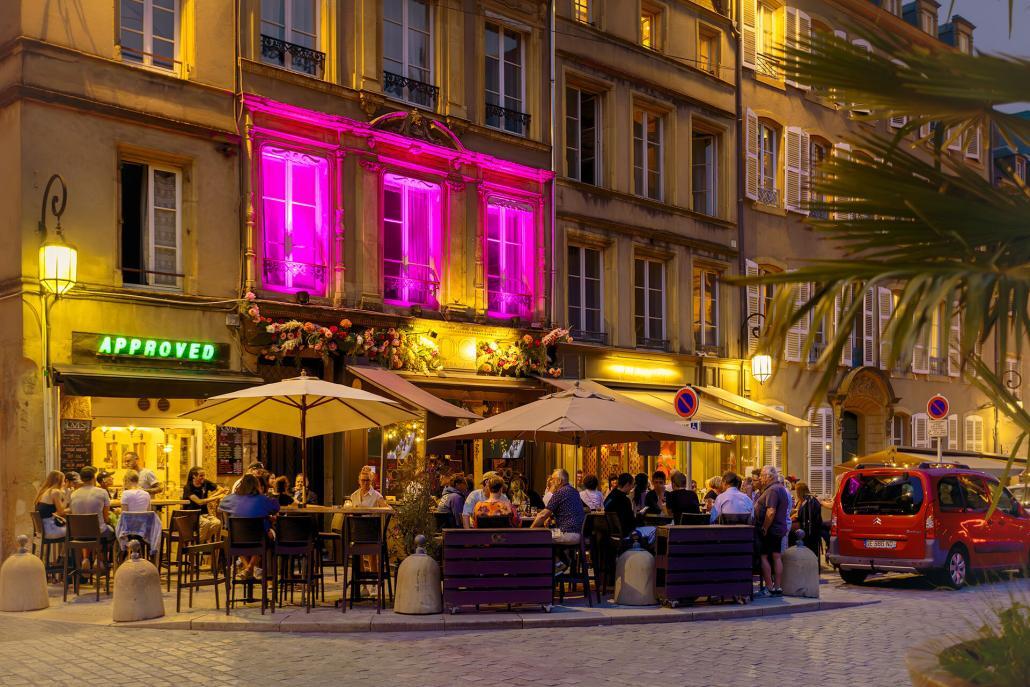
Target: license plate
881, 544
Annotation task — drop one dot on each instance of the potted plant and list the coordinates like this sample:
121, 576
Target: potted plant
996, 655
414, 513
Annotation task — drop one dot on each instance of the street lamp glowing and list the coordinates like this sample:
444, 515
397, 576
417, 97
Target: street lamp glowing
761, 367
58, 266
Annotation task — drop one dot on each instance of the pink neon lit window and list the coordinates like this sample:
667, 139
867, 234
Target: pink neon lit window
509, 260
295, 202
411, 241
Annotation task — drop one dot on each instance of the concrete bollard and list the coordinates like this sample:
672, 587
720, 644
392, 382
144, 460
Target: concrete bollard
418, 583
634, 577
137, 589
800, 570
23, 581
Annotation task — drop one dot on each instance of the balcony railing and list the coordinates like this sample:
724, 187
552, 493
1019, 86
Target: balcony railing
291, 274
510, 120
768, 196
710, 349
582, 336
653, 344
938, 366
301, 59
411, 90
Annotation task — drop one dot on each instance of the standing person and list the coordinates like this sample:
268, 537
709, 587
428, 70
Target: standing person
731, 501
365, 496
248, 502
567, 509
198, 493
809, 517
771, 511
681, 500
91, 499
475, 496
591, 496
453, 499
493, 505
50, 504
148, 480
654, 500
134, 499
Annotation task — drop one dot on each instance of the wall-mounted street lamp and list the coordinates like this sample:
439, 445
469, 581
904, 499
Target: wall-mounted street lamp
58, 260
761, 364
761, 367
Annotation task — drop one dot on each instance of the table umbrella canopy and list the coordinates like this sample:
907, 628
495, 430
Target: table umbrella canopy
300, 407
580, 417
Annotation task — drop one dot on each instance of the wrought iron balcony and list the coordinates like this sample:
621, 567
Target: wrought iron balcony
412, 285
653, 344
938, 366
768, 196
710, 350
583, 336
510, 120
289, 273
411, 90
301, 59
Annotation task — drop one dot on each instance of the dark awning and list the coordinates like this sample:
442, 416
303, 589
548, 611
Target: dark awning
131, 382
406, 392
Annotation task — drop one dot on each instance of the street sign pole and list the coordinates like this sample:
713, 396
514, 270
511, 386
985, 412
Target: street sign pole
937, 409
939, 449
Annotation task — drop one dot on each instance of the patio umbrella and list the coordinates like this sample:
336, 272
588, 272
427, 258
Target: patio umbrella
579, 417
301, 407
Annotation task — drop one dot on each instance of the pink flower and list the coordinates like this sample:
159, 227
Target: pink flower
334, 328
249, 296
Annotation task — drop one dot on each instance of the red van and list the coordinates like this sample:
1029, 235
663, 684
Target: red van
927, 519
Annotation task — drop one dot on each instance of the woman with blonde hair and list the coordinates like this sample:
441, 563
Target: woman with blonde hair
50, 504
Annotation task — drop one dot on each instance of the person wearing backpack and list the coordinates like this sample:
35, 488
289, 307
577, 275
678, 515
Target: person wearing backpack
809, 517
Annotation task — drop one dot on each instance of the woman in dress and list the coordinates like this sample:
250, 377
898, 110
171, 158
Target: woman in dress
51, 506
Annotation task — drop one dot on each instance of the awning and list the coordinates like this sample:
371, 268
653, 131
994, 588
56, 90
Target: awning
130, 382
406, 392
714, 417
753, 406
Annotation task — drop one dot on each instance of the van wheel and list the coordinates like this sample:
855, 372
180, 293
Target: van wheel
956, 570
853, 576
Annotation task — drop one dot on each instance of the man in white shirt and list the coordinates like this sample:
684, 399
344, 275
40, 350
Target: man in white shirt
365, 496
134, 499
148, 480
731, 501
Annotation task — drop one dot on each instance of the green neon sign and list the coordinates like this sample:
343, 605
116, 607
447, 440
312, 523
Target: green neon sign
156, 349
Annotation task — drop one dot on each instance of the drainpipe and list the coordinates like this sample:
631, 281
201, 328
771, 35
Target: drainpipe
553, 314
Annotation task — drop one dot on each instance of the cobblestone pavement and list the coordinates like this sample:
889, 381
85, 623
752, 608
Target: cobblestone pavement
852, 646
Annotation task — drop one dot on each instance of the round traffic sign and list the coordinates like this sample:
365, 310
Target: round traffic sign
937, 407
686, 402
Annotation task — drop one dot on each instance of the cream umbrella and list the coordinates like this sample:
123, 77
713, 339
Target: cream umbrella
580, 417
301, 407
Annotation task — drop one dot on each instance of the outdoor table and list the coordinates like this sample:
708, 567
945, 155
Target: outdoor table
154, 503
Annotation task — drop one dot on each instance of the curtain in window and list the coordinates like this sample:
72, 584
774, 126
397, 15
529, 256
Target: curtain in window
411, 241
509, 249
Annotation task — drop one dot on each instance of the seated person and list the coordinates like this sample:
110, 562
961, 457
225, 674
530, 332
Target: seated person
681, 500
50, 505
565, 507
134, 499
281, 491
591, 496
302, 492
494, 505
249, 502
477, 495
365, 496
453, 499
732, 501
92, 500
200, 493
620, 503
654, 500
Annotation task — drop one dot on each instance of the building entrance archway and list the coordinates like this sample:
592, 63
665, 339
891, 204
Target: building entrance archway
864, 400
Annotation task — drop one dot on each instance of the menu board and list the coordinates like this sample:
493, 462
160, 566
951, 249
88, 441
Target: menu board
230, 451
76, 444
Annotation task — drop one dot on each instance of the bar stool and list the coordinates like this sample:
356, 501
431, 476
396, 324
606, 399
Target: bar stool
46, 544
84, 535
295, 543
364, 535
190, 558
247, 537
579, 571
171, 535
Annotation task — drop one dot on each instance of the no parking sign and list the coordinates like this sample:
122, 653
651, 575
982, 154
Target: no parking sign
937, 407
686, 402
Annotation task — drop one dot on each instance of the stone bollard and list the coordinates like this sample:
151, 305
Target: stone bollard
137, 589
800, 570
23, 581
418, 583
634, 577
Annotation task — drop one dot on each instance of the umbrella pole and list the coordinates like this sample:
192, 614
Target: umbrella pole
382, 459
304, 451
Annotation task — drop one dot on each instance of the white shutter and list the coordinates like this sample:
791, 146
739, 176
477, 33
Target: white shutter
790, 35
979, 437
974, 433
921, 351
843, 151
820, 467
953, 432
886, 309
920, 431
842, 303
806, 171
792, 169
925, 130
864, 44
898, 122
952, 139
754, 304
804, 39
794, 342
868, 324
954, 343
772, 448
973, 144
748, 36
752, 155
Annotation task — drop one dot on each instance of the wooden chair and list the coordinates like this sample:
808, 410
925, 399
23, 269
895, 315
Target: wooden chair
364, 535
295, 543
695, 519
247, 537
84, 535
46, 546
190, 558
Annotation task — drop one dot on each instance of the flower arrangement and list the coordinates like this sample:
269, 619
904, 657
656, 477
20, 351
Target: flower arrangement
525, 356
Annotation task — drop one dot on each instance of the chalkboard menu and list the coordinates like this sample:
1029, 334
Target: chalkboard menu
76, 444
230, 451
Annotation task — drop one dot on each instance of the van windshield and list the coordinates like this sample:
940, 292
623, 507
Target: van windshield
882, 495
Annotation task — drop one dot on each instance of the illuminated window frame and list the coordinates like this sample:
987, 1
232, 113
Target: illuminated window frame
510, 268
413, 278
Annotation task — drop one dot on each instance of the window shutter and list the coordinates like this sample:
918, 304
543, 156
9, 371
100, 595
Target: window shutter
954, 352
792, 169
864, 44
974, 433
804, 39
752, 155
898, 122
806, 171
886, 309
748, 36
754, 304
979, 427
843, 151
920, 431
925, 130
842, 303
973, 144
953, 139
820, 468
772, 448
921, 352
868, 325
792, 345
790, 35
953, 432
